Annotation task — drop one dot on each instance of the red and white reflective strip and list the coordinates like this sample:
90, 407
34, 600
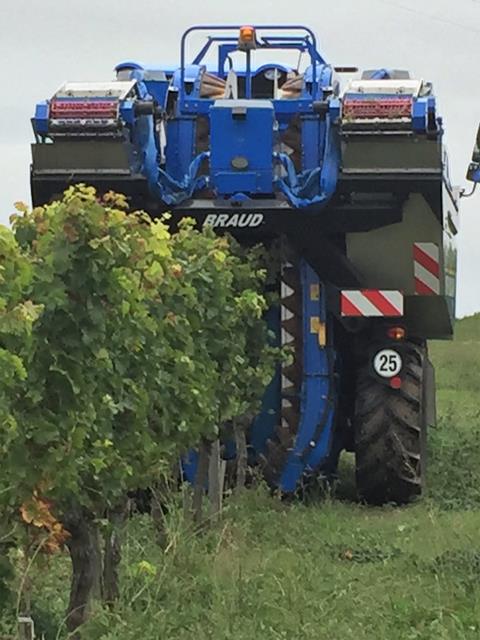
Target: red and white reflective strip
371, 303
426, 259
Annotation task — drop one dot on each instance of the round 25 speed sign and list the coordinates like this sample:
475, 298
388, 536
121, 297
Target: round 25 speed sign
387, 363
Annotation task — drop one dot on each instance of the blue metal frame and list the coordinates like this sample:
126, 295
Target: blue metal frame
282, 107
318, 396
306, 43
314, 445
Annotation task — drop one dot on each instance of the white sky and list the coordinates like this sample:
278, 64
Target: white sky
43, 43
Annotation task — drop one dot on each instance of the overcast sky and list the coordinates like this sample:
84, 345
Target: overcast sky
43, 43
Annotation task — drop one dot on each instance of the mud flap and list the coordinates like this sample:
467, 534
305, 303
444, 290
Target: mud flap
429, 414
429, 395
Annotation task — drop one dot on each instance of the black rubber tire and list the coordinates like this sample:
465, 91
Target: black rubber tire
390, 434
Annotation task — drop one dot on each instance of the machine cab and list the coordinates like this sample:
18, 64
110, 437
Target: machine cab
240, 130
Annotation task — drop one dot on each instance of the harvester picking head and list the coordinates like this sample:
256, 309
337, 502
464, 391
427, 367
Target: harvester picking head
231, 134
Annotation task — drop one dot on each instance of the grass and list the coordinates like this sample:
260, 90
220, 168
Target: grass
331, 569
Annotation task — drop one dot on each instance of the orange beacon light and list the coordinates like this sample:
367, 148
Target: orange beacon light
246, 39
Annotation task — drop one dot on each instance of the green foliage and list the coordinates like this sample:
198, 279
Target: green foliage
17, 313
329, 570
454, 475
269, 570
138, 348
229, 327
462, 360
272, 570
6, 577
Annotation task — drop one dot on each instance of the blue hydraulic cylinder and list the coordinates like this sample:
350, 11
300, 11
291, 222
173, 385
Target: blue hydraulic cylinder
180, 148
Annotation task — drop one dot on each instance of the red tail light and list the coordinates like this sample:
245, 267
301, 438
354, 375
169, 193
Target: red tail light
396, 382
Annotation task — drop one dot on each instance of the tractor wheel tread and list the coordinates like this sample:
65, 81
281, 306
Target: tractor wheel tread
389, 446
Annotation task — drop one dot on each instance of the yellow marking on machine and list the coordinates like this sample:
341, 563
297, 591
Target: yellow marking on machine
320, 329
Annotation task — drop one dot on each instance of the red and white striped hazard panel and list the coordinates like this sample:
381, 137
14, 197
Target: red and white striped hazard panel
371, 302
426, 260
